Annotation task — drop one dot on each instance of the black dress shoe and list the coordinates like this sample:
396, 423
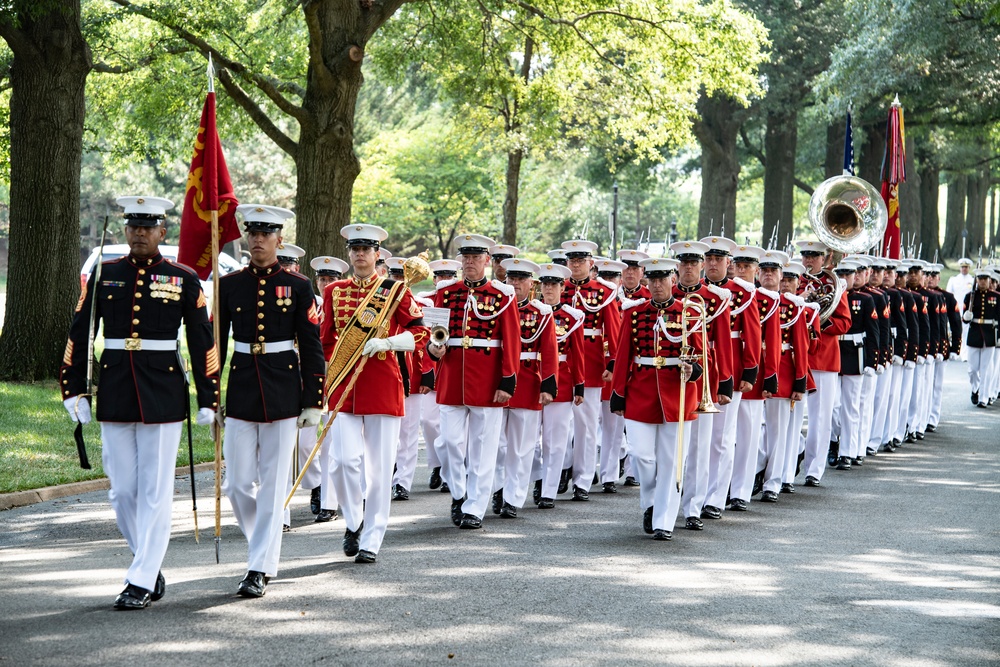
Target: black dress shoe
253, 585
930, 428
843, 463
896, 444
546, 503
621, 467
871, 451
456, 510
497, 501
352, 541
631, 481
564, 478
975, 398
508, 511
435, 478
857, 461
887, 448
662, 535
444, 487
788, 488
471, 521
910, 437
711, 512
812, 481
580, 494
597, 480
610, 487
918, 435
981, 405
738, 505
399, 493
364, 557
647, 520
536, 493
159, 588
693, 523
131, 598
769, 497
798, 463
326, 515
315, 500
833, 453
285, 528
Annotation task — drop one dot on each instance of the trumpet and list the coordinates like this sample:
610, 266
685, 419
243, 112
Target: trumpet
439, 335
696, 303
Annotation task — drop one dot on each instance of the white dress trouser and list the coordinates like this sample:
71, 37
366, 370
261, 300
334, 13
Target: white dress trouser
409, 440
883, 387
364, 449
140, 460
654, 455
474, 433
905, 391
794, 444
980, 362
819, 405
696, 465
777, 415
850, 415
430, 424
521, 429
937, 393
868, 383
892, 404
258, 465
917, 396
722, 452
556, 421
317, 472
924, 412
585, 417
747, 446
612, 442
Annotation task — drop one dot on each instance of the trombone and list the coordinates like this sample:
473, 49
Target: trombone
694, 302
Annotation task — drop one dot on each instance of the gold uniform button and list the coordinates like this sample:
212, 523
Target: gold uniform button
170, 368
260, 292
260, 327
135, 335
138, 295
290, 367
260, 316
261, 338
260, 303
135, 321
139, 283
142, 272
263, 282
214, 381
237, 309
65, 381
109, 296
135, 307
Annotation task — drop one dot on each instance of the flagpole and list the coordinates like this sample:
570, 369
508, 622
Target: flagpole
217, 431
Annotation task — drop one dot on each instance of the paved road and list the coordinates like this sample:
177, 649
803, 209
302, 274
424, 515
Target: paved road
896, 563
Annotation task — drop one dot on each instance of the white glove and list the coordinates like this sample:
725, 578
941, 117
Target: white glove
920, 360
967, 316
879, 369
909, 364
399, 343
939, 357
79, 410
869, 371
953, 357
204, 416
929, 358
309, 417
897, 360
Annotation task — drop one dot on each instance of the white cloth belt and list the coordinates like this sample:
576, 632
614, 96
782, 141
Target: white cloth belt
271, 347
529, 356
472, 342
785, 347
593, 332
139, 344
853, 338
984, 321
562, 358
659, 362
734, 334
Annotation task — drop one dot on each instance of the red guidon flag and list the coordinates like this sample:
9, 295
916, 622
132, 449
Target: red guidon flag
208, 189
893, 173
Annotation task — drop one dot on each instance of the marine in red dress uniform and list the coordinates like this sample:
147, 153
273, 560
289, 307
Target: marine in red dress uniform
649, 370
476, 377
366, 430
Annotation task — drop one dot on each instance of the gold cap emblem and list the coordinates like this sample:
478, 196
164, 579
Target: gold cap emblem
140, 200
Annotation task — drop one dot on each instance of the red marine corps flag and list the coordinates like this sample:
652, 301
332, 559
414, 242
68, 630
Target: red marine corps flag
893, 173
208, 189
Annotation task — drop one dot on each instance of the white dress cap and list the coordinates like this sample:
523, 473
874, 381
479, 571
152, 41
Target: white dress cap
326, 264
144, 205
519, 266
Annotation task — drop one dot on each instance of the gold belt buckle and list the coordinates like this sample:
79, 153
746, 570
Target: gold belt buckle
257, 348
133, 344
659, 362
466, 342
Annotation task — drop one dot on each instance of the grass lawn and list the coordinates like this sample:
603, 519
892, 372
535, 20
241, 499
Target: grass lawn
36, 440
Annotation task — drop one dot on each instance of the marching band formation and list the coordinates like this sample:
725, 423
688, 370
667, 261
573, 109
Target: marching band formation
690, 376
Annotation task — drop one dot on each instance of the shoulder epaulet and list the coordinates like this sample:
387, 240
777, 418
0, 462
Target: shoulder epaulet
748, 286
796, 299
425, 295
112, 261
768, 293
445, 283
503, 287
183, 267
423, 301
611, 286
296, 274
719, 291
543, 308
628, 304
573, 312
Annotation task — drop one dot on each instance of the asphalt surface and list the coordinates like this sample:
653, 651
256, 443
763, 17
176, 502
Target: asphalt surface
895, 563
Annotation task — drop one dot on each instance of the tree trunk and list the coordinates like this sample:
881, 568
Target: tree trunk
994, 231
514, 158
833, 165
50, 67
955, 217
910, 214
717, 128
780, 143
975, 220
930, 225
